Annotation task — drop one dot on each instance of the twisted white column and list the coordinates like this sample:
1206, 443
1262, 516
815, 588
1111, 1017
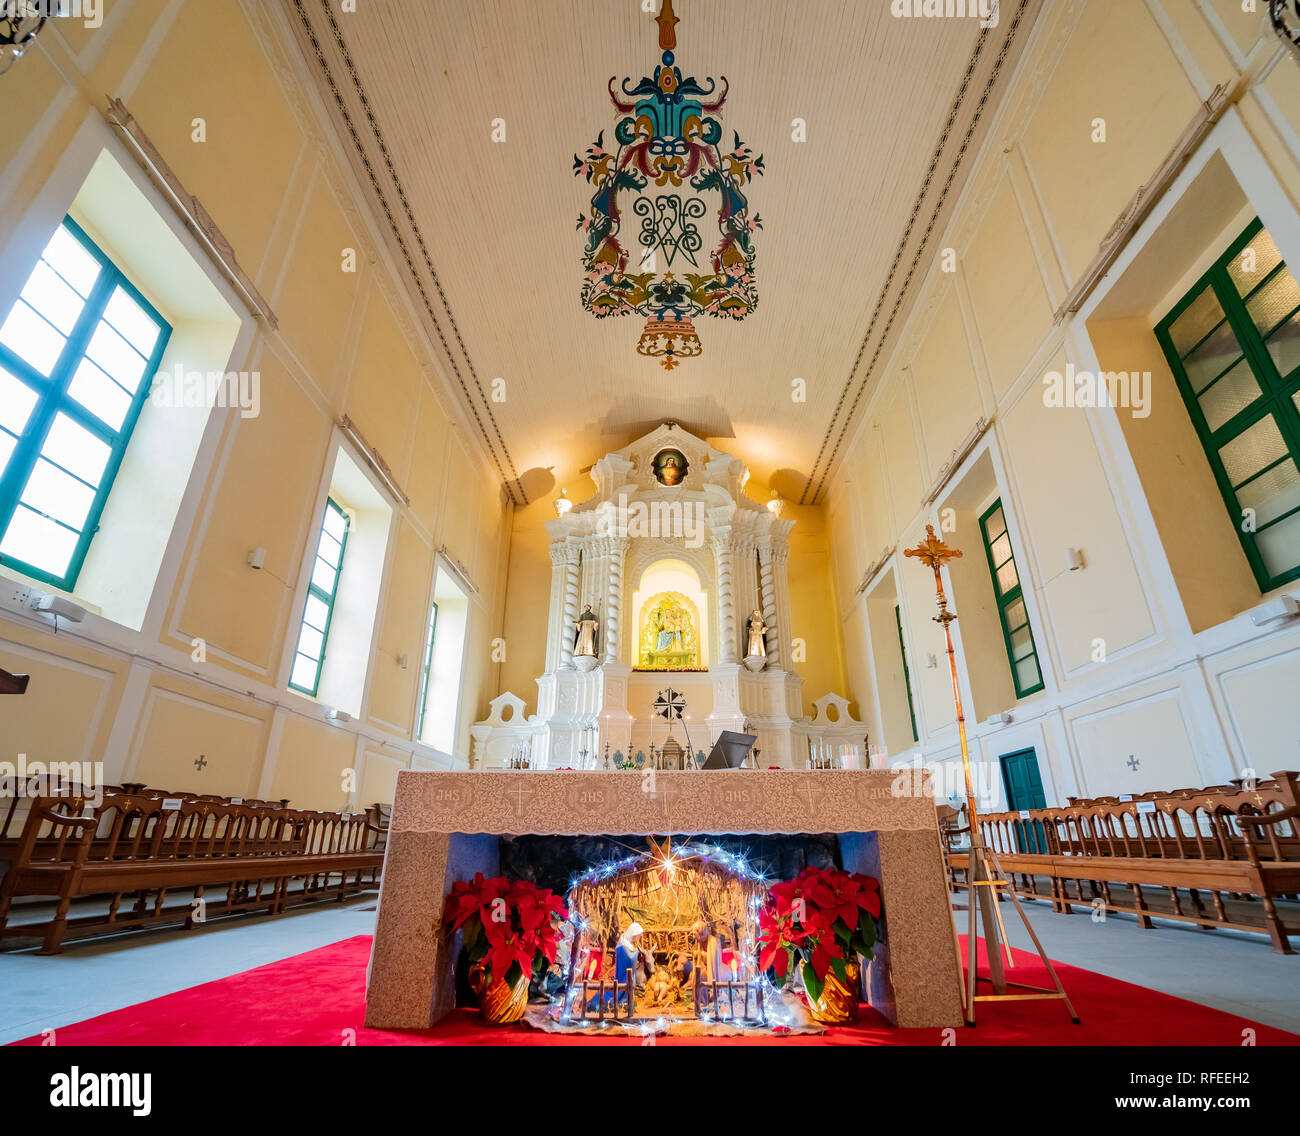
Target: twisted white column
722, 555
767, 589
614, 598
572, 564
555, 608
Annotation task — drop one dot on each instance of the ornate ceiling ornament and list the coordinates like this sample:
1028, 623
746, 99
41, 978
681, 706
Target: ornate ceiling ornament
1284, 15
20, 21
669, 163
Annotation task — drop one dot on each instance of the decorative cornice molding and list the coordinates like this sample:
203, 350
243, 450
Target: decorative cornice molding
188, 207
481, 409
853, 385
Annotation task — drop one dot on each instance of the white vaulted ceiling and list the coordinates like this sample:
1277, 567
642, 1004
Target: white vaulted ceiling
487, 229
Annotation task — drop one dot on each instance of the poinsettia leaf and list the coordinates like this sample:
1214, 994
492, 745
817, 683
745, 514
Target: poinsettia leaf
514, 974
813, 984
837, 965
472, 932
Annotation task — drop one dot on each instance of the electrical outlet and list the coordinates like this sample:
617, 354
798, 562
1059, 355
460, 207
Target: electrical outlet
13, 594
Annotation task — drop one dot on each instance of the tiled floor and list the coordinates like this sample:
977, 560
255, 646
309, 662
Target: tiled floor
1228, 970
44, 992
1233, 972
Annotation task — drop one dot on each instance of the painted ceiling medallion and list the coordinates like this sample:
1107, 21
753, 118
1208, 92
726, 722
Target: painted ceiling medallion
668, 163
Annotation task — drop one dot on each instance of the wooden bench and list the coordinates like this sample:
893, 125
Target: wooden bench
1228, 841
143, 845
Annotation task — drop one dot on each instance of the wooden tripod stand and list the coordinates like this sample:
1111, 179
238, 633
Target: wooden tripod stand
985, 880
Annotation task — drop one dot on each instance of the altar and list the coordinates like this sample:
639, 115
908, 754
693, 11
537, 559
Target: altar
447, 826
669, 575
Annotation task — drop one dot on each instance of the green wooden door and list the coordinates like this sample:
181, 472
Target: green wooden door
1024, 788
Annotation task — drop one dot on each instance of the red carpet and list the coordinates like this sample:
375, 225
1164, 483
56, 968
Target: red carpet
317, 997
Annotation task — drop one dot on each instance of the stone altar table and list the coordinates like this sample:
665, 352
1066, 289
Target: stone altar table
446, 826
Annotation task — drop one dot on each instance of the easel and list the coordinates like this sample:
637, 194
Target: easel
985, 880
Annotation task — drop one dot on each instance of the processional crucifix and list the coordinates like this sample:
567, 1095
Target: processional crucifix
985, 880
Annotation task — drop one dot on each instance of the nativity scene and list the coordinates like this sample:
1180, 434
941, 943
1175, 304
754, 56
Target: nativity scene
681, 939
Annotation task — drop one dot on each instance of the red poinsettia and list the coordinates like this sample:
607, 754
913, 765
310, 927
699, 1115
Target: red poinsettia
512, 928
824, 917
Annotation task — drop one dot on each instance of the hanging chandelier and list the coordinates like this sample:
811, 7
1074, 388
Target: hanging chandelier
670, 166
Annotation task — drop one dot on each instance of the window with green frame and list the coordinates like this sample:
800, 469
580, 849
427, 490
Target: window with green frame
322, 592
907, 674
1233, 343
1014, 615
78, 352
428, 668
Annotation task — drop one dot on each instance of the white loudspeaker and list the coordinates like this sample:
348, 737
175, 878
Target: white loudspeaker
1280, 607
57, 605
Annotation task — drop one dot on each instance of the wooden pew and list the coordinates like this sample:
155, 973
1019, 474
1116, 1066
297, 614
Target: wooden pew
142, 846
1225, 841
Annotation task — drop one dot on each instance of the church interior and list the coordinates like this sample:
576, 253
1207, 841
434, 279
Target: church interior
461, 583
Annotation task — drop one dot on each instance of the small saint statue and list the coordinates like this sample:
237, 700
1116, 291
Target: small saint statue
584, 642
755, 645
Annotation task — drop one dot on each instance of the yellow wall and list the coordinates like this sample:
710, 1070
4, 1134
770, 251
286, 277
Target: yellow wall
1143, 657
347, 344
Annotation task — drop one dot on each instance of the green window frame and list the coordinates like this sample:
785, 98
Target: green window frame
322, 593
1233, 344
79, 350
907, 674
1013, 613
428, 668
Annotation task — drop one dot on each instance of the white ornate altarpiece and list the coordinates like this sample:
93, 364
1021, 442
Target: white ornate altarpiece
673, 559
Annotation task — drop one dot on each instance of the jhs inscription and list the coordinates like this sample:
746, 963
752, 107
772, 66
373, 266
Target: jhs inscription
588, 800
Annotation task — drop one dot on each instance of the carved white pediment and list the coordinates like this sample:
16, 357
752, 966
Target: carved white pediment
842, 717
507, 710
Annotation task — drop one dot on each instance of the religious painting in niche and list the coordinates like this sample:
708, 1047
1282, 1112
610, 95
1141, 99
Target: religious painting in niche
669, 467
669, 634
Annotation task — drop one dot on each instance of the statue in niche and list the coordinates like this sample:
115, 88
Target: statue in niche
755, 644
584, 640
669, 636
672, 623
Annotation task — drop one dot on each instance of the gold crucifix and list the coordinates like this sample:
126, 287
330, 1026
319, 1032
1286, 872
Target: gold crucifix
985, 879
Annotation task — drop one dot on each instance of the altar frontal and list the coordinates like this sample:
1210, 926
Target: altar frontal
627, 930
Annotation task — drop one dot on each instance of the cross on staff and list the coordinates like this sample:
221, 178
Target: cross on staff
984, 876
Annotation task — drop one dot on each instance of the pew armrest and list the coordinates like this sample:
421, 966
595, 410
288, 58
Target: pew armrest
1270, 818
62, 818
